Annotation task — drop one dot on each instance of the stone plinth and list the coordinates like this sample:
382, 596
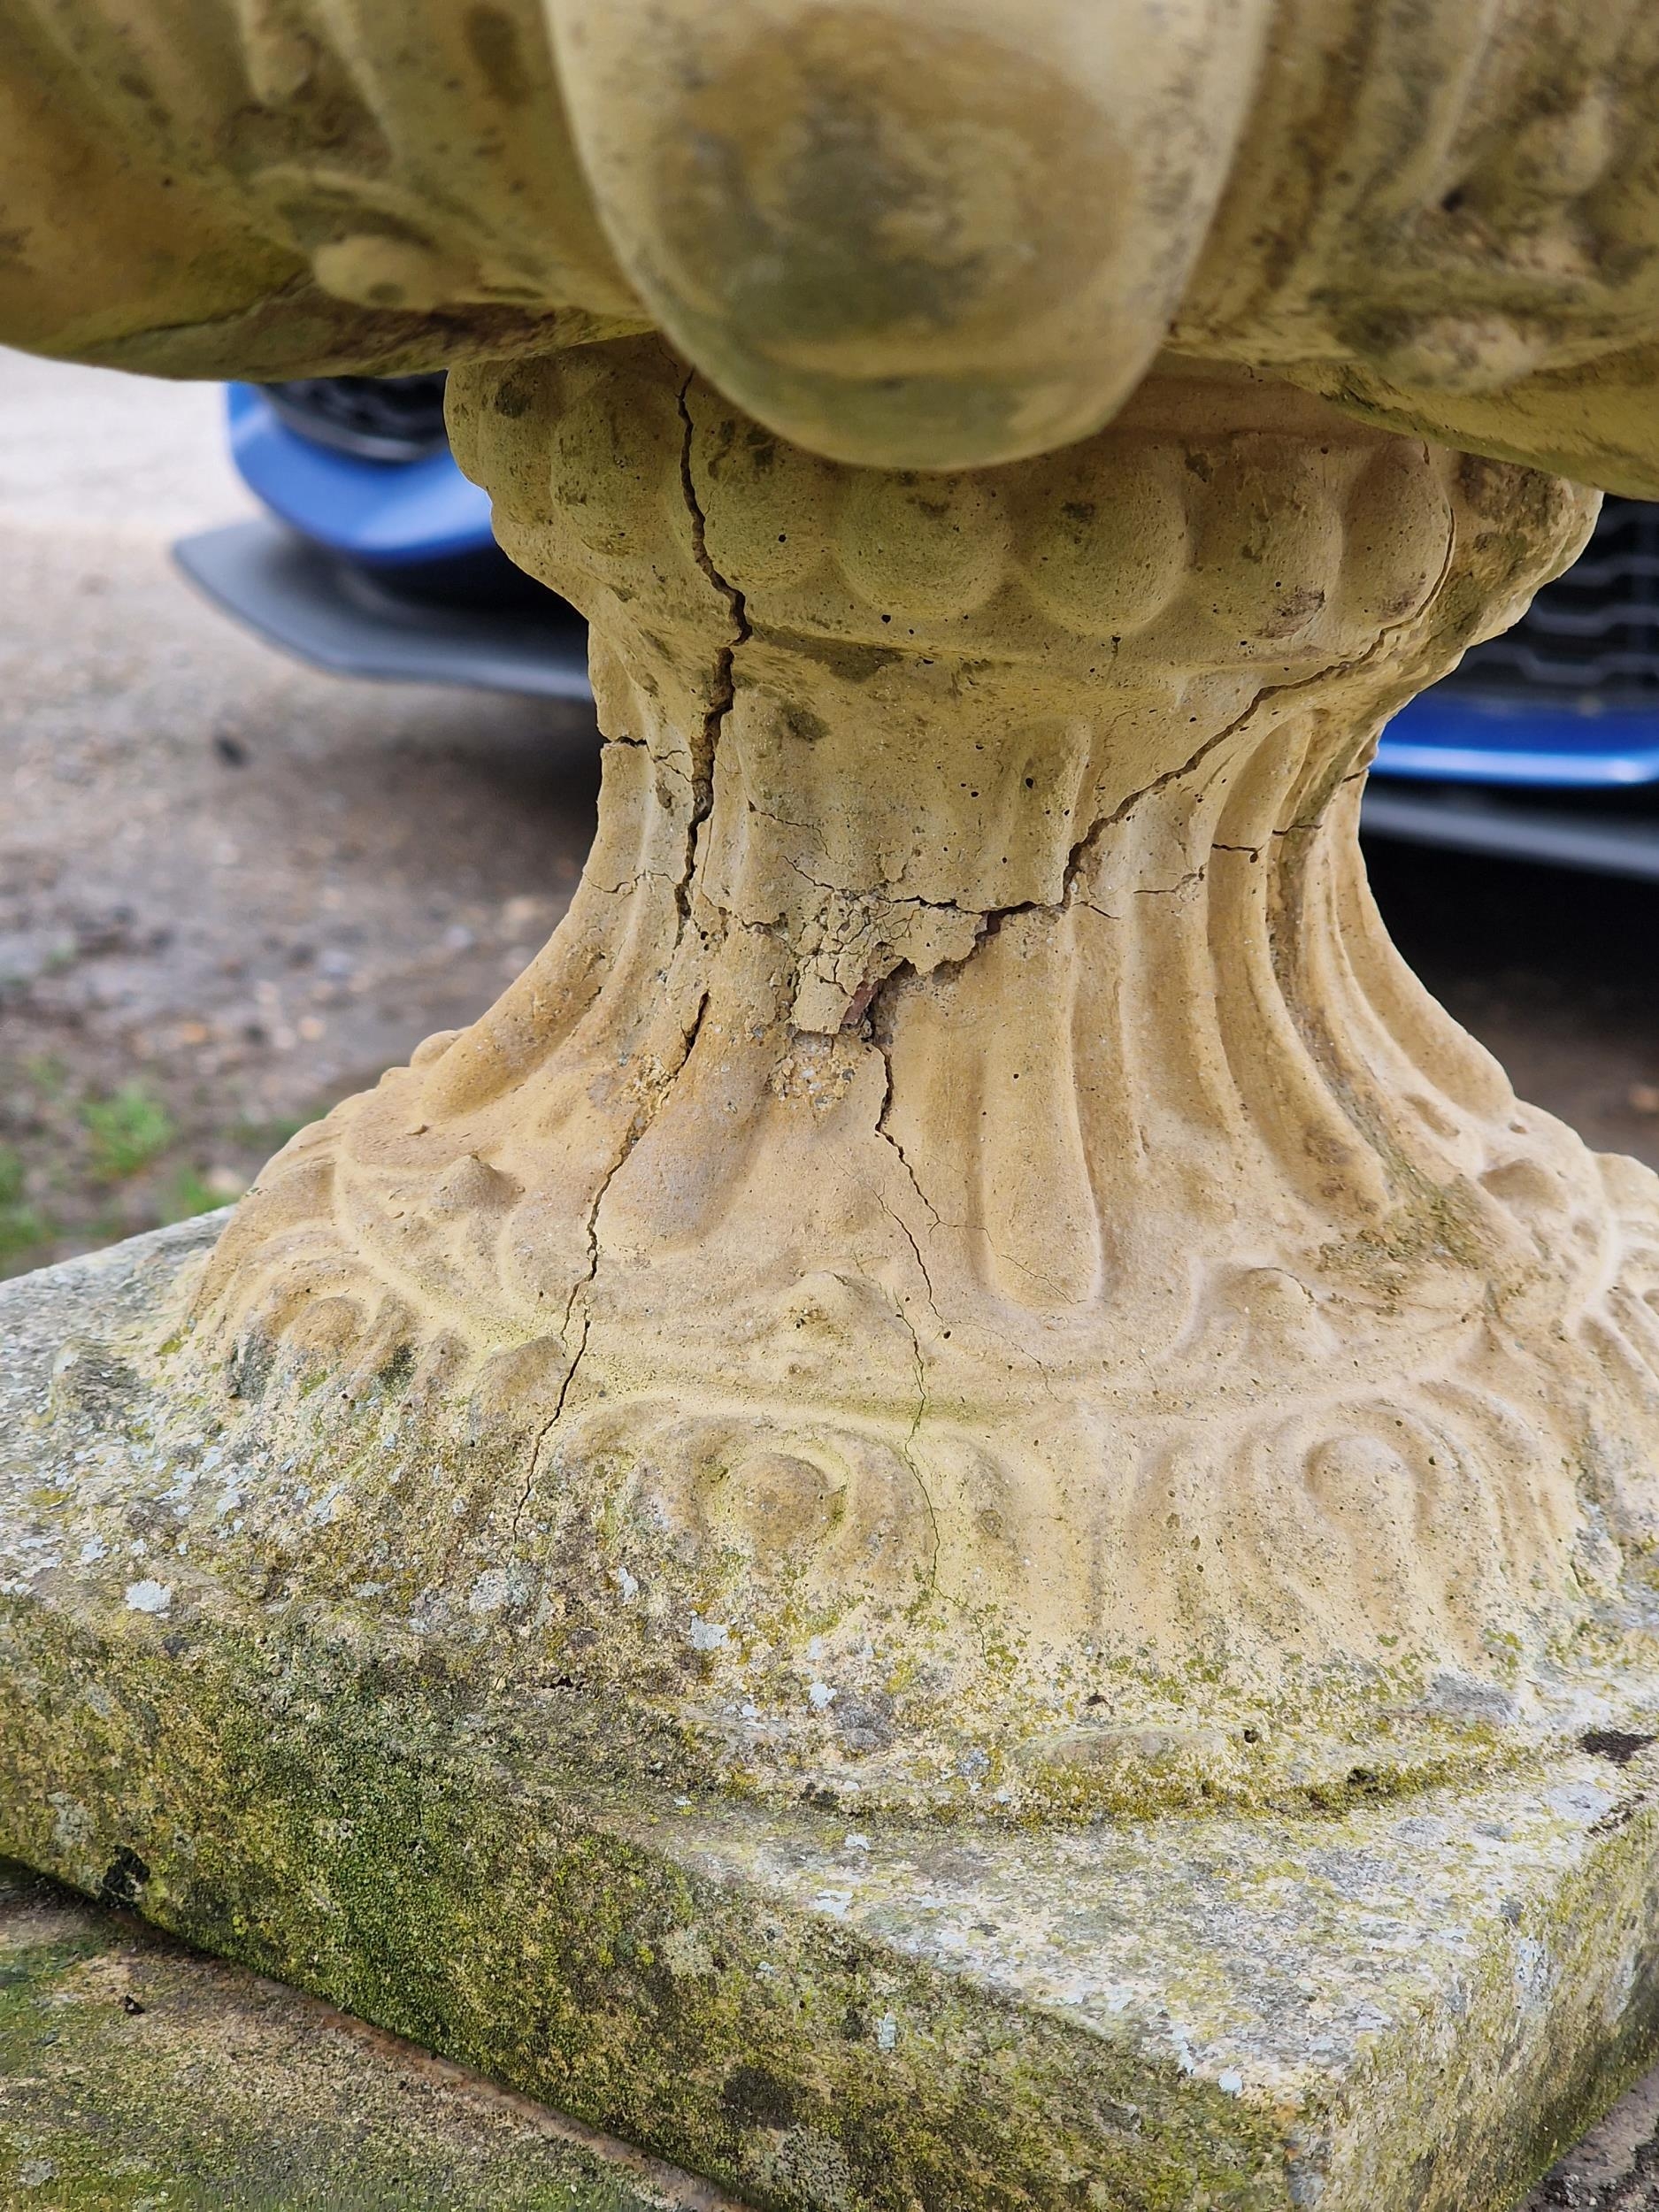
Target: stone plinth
1407, 2005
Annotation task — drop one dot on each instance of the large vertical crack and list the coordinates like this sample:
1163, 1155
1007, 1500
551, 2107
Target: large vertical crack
723, 684
705, 747
907, 1450
886, 1050
638, 1123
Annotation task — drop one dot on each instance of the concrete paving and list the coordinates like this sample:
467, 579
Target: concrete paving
91, 449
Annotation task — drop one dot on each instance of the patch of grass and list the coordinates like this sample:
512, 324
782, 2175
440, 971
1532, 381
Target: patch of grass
47, 1072
194, 1193
90, 1162
126, 1131
27, 1233
21, 1227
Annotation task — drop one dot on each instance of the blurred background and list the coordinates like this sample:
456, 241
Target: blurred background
233, 886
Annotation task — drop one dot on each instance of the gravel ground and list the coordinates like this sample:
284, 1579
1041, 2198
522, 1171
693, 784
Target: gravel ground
231, 890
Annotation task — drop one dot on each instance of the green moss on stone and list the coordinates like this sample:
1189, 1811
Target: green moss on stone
135, 2075
427, 1865
408, 1805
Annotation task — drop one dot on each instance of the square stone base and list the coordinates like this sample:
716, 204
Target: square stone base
1407, 2007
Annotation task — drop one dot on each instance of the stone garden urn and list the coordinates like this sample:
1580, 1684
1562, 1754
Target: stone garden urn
966, 1378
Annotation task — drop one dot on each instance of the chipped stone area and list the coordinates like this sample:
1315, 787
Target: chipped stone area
137, 2075
1405, 2006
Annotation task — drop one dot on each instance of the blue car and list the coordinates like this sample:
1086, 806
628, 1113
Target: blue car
378, 560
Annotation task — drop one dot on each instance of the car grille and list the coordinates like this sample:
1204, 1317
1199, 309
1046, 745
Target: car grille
1594, 629
375, 417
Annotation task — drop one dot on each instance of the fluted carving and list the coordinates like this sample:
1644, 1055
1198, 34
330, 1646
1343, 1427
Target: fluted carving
970, 1211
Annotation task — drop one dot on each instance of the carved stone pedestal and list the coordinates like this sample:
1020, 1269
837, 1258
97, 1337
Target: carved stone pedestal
963, 1515
702, 1548
968, 1269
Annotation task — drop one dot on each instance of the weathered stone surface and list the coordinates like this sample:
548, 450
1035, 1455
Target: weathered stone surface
136, 2076
1406, 2006
901, 231
969, 1212
969, 1224
969, 1220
